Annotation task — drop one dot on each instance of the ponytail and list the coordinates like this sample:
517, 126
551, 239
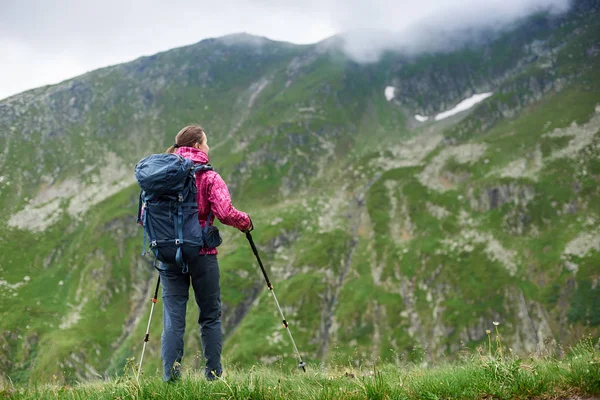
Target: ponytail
188, 136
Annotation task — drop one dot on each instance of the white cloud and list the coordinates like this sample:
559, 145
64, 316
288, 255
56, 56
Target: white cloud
429, 25
26, 67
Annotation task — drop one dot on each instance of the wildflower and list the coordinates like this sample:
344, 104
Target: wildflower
488, 331
496, 323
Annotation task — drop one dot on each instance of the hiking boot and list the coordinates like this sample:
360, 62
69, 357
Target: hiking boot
175, 376
212, 375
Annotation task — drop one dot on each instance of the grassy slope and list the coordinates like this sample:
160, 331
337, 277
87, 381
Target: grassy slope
476, 376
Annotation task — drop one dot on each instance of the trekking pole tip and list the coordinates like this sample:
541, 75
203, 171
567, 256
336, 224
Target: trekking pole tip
302, 365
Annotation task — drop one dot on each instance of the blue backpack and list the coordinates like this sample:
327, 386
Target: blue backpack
168, 209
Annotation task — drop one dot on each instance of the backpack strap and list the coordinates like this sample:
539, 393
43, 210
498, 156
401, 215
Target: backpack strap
205, 167
139, 217
145, 244
207, 225
202, 167
148, 228
179, 240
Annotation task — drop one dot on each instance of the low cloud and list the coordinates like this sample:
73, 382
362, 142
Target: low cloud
431, 28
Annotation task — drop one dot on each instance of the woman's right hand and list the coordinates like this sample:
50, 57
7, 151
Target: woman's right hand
250, 227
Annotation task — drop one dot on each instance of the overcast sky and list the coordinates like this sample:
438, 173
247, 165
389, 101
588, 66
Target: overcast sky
44, 42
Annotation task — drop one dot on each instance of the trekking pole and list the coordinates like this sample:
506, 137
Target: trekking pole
302, 364
147, 337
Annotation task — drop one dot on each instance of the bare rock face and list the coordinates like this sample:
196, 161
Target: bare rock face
434, 175
497, 196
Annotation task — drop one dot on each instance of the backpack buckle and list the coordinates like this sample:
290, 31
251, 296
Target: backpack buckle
180, 197
178, 242
153, 243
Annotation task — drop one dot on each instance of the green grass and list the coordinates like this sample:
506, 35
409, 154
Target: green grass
490, 372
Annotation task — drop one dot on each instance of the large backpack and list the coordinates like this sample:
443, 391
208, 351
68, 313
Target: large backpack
168, 208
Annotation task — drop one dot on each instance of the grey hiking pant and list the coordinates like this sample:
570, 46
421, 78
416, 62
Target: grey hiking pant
204, 277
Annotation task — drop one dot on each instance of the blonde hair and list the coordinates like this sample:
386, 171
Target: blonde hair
188, 137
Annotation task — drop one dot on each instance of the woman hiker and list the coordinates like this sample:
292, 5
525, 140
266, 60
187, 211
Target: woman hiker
203, 271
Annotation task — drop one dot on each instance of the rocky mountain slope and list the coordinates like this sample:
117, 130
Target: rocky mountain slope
389, 231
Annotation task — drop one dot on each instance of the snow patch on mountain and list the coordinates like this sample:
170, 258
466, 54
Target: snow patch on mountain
421, 118
463, 105
390, 93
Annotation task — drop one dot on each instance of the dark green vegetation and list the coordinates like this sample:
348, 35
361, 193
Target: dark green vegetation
382, 235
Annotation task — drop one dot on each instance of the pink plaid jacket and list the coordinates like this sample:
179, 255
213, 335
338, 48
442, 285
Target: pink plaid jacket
213, 195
